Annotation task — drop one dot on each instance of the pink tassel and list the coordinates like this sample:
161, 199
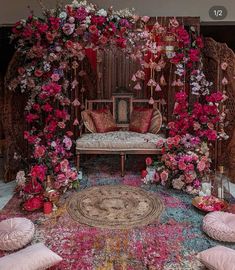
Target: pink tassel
151, 101
83, 90
163, 81
76, 122
138, 86
76, 102
152, 83
173, 83
224, 81
134, 78
158, 88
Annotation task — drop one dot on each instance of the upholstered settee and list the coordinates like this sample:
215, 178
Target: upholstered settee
122, 141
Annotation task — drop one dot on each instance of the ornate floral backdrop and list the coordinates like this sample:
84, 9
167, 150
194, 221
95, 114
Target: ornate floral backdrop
54, 78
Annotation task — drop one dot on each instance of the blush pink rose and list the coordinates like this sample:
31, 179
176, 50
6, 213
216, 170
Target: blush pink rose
164, 176
64, 164
39, 151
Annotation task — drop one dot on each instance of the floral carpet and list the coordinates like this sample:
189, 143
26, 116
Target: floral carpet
172, 243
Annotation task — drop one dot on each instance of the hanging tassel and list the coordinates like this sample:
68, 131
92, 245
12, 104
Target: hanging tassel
74, 84
224, 81
138, 86
134, 78
158, 88
152, 83
76, 102
179, 83
163, 81
76, 122
151, 101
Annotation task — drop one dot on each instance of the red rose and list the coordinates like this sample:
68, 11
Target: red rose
50, 37
33, 204
38, 72
144, 173
93, 29
148, 161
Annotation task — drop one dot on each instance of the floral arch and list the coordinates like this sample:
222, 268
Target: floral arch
54, 47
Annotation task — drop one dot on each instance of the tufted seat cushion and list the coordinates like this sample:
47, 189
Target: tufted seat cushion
118, 140
220, 226
15, 233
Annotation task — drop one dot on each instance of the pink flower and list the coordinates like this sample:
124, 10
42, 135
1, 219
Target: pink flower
47, 107
201, 166
39, 171
164, 176
68, 28
145, 19
39, 151
68, 142
156, 177
31, 117
55, 77
144, 173
64, 165
182, 165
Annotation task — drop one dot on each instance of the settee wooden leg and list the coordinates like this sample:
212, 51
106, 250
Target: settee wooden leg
78, 161
122, 164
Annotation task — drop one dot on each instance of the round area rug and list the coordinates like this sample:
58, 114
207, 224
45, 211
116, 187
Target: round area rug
115, 207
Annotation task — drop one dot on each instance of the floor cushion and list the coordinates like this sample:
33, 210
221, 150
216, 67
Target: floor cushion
118, 140
15, 233
220, 226
218, 258
35, 257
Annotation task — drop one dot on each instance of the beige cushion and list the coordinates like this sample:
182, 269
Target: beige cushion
218, 258
35, 257
220, 226
87, 120
156, 122
15, 233
118, 140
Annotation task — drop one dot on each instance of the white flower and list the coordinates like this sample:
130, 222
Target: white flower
53, 144
75, 4
63, 15
20, 178
102, 12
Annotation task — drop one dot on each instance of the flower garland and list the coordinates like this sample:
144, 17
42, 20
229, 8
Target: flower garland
53, 48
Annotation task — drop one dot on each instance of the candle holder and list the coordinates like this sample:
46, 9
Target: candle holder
221, 181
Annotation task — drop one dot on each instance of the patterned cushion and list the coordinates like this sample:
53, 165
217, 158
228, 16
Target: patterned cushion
15, 233
220, 226
118, 140
218, 258
156, 122
87, 120
103, 121
140, 120
35, 257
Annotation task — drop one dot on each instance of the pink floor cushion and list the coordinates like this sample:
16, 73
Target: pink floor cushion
220, 226
15, 233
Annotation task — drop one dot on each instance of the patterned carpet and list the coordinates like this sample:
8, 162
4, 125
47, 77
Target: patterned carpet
169, 244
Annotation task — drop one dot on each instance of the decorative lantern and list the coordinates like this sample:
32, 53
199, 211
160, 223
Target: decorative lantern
170, 43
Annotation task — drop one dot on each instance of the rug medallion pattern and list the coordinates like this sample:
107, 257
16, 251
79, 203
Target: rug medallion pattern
115, 206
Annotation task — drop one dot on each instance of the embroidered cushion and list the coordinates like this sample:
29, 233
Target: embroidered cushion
87, 120
220, 226
15, 233
140, 120
156, 122
218, 258
103, 121
35, 257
